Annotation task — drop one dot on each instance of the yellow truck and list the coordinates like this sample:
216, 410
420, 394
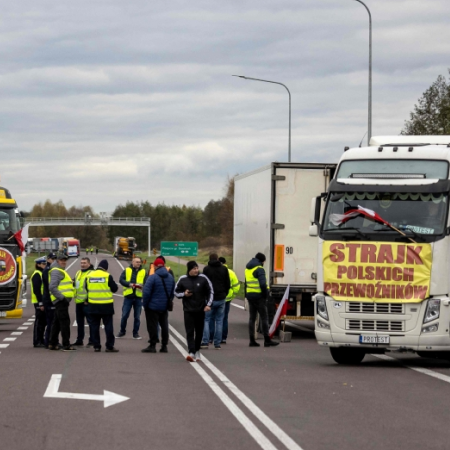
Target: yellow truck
12, 263
124, 247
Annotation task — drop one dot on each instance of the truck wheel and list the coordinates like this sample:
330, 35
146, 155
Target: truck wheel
348, 356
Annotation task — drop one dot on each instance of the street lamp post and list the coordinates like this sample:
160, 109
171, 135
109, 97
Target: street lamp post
369, 130
281, 84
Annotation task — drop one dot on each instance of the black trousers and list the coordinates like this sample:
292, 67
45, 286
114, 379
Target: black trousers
81, 311
49, 317
194, 322
153, 319
61, 324
94, 325
39, 325
258, 306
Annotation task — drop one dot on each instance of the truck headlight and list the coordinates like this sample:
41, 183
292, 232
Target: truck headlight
432, 311
321, 307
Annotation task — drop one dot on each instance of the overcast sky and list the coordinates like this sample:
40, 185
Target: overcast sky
108, 101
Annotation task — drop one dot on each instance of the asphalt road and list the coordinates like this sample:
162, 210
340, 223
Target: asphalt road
289, 397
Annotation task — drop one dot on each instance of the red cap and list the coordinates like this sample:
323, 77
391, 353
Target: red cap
158, 262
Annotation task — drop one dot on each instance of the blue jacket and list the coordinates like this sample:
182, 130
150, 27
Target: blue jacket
154, 296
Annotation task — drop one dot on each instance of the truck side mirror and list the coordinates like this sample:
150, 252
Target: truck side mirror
315, 210
313, 230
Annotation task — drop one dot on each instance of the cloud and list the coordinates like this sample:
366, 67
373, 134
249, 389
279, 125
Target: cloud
105, 102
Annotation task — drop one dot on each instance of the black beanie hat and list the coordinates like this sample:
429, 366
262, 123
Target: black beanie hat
103, 264
190, 265
222, 260
260, 256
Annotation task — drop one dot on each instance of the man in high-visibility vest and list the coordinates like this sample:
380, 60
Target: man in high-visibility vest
61, 293
100, 287
81, 305
37, 291
256, 292
132, 279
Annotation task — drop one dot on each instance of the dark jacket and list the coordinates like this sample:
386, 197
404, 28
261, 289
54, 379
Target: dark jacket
45, 279
107, 308
261, 275
36, 281
125, 283
154, 294
219, 277
201, 288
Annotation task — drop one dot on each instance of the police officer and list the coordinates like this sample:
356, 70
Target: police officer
37, 291
100, 287
132, 279
81, 304
61, 293
256, 291
48, 306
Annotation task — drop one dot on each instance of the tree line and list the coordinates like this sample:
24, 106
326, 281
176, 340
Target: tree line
211, 226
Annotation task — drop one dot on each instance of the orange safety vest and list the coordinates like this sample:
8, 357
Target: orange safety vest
152, 269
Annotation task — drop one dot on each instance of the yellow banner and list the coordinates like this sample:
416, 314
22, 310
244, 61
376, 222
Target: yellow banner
377, 271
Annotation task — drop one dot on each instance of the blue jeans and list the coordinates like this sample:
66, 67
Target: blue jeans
225, 324
136, 304
214, 316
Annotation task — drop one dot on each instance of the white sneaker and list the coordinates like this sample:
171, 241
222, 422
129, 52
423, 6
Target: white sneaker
197, 356
190, 357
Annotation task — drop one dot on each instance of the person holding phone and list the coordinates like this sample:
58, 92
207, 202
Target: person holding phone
197, 294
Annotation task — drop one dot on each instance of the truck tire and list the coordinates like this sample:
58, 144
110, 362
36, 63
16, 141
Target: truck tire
349, 356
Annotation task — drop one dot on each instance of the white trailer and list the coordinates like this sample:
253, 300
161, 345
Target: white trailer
271, 215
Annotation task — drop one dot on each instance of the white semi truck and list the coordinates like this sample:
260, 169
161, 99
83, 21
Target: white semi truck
384, 250
271, 215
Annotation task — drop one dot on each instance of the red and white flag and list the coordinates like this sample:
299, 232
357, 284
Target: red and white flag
338, 219
281, 311
22, 237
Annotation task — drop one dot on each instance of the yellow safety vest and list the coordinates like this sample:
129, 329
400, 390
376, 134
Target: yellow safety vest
139, 280
33, 295
252, 282
235, 285
80, 287
65, 286
97, 287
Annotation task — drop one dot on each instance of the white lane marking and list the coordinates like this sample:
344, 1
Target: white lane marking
267, 421
67, 268
22, 328
118, 295
75, 324
16, 333
254, 432
108, 398
9, 339
120, 264
33, 315
4, 345
237, 306
428, 372
27, 323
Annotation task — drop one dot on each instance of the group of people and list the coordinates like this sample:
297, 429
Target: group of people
206, 300
91, 249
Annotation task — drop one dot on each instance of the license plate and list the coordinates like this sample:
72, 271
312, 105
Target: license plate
2, 313
374, 339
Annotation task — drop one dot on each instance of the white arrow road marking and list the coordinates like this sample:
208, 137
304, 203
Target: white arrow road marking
109, 398
85, 325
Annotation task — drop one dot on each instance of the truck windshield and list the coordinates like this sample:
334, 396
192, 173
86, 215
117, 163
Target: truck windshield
414, 214
431, 169
8, 220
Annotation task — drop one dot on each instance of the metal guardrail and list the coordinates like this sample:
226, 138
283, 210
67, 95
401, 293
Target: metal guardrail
94, 221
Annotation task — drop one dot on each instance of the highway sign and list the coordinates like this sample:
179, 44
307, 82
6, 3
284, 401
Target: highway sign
179, 248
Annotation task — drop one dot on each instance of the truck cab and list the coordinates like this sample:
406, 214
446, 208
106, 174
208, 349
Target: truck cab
383, 284
12, 267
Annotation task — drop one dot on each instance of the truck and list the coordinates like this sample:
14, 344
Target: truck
45, 245
271, 216
70, 246
124, 247
12, 263
383, 240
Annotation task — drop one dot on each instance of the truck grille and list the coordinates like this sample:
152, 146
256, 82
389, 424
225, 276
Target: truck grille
376, 308
7, 297
375, 325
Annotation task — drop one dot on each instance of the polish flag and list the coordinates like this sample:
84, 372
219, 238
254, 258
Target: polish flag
22, 237
338, 219
281, 311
